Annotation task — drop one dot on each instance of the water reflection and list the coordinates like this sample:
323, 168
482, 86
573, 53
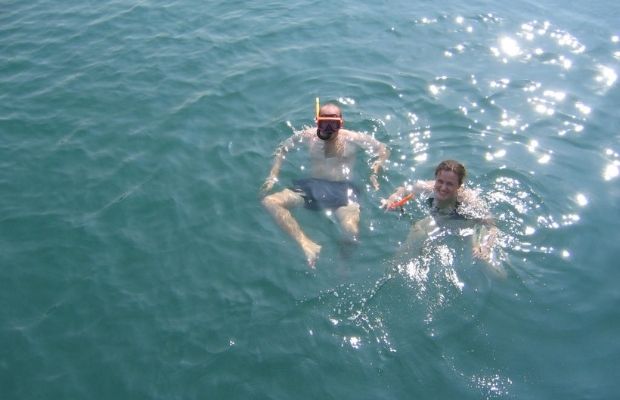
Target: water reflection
523, 130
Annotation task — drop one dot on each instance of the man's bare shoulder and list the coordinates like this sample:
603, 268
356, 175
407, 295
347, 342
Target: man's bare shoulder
349, 133
355, 136
304, 136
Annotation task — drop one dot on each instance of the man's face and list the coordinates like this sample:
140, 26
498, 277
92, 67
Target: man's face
328, 124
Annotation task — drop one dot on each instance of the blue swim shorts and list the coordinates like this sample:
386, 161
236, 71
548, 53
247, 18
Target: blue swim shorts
321, 194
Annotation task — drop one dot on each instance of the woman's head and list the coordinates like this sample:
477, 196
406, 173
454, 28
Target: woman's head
454, 166
449, 176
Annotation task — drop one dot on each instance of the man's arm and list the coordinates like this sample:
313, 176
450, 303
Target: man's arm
376, 149
279, 156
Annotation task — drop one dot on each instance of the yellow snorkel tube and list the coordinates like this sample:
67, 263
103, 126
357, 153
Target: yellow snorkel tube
332, 123
317, 108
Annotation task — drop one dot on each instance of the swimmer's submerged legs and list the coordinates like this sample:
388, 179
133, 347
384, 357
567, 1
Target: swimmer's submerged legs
278, 205
415, 239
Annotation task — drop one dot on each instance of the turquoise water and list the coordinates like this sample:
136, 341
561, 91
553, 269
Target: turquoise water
137, 262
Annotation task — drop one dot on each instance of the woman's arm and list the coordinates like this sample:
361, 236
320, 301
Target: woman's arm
485, 239
406, 192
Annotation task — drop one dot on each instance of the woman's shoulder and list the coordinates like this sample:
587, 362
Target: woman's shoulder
467, 196
472, 204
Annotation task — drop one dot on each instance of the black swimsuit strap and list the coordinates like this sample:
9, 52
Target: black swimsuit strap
453, 213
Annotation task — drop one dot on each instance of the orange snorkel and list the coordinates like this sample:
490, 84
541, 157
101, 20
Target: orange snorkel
401, 202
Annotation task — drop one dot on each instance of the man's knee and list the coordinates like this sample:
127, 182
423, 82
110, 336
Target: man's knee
269, 201
349, 220
351, 225
284, 199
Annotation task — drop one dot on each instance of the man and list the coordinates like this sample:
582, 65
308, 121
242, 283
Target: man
332, 152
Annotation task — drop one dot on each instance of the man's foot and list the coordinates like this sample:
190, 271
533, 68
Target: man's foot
311, 250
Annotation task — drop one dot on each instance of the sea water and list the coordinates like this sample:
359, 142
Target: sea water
136, 261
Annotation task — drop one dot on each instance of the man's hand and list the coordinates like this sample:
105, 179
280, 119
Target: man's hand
268, 184
376, 167
374, 181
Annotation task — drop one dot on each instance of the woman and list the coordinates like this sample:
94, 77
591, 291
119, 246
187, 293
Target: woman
448, 200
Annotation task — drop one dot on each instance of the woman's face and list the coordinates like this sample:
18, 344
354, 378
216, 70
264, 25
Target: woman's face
446, 185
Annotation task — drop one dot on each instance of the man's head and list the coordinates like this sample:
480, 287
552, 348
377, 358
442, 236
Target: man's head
329, 122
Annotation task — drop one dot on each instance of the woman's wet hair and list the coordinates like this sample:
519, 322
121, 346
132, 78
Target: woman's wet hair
454, 166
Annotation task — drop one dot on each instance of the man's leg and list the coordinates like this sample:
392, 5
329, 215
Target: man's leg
278, 205
349, 219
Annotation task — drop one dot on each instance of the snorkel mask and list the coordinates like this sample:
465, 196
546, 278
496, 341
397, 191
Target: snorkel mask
326, 126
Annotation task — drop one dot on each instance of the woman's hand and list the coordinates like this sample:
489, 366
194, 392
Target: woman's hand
482, 252
483, 243
396, 200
